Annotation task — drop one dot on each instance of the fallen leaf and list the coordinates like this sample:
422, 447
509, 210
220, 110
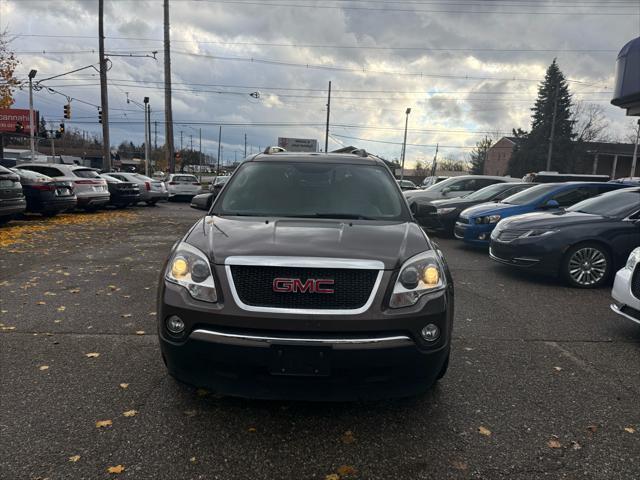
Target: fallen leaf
629, 429
130, 413
62, 308
332, 476
554, 443
592, 428
153, 314
74, 458
50, 294
252, 430
126, 315
103, 423
557, 369
346, 470
575, 445
92, 354
124, 385
484, 431
192, 459
202, 392
41, 303
459, 465
190, 413
116, 469
347, 437
139, 332
44, 367
74, 290
112, 287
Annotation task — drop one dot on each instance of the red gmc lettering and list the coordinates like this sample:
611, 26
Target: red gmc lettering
295, 285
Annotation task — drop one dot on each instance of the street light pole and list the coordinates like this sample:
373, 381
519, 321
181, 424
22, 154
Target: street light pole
32, 142
404, 142
200, 152
634, 160
147, 137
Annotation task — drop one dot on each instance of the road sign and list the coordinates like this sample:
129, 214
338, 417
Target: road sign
298, 144
9, 117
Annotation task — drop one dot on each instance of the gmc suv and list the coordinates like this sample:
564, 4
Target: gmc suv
308, 279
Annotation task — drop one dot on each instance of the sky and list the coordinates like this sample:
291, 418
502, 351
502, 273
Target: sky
466, 68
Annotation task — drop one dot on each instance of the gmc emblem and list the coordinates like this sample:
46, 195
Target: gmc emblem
295, 285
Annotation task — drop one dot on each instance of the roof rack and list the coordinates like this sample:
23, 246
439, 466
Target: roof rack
270, 150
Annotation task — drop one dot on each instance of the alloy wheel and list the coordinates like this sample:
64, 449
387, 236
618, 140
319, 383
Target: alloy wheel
587, 266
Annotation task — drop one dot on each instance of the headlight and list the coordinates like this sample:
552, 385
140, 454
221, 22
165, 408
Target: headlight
444, 211
190, 268
418, 276
537, 233
488, 219
633, 260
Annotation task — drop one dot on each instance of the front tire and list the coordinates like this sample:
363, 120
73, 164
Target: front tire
587, 265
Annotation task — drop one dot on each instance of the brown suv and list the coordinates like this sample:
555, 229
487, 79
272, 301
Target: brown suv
308, 279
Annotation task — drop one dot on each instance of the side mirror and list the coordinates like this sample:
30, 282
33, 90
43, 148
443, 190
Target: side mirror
446, 190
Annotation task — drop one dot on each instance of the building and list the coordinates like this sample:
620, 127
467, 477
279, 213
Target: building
601, 158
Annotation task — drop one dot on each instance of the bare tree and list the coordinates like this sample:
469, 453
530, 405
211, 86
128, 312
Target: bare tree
591, 123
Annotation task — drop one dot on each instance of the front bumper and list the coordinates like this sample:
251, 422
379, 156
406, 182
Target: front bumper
628, 305
444, 224
364, 356
532, 254
475, 234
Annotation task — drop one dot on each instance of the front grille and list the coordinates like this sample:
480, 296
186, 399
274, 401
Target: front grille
509, 235
635, 282
352, 287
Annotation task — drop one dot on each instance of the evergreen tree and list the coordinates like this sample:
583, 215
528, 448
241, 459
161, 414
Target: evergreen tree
531, 156
479, 155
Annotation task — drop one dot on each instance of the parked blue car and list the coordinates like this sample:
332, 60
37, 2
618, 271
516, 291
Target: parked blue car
475, 224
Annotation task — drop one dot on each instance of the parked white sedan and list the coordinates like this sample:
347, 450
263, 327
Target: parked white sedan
626, 289
181, 185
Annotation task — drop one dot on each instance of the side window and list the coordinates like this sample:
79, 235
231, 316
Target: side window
570, 196
507, 193
463, 186
485, 182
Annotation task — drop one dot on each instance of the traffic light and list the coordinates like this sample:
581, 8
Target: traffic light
19, 127
61, 129
99, 115
67, 111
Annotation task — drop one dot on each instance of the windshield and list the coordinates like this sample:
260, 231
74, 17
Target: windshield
530, 195
612, 204
443, 184
322, 190
85, 173
487, 193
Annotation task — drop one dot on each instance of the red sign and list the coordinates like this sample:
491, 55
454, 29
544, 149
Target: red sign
9, 117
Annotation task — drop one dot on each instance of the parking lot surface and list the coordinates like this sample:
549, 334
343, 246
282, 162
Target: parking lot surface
544, 380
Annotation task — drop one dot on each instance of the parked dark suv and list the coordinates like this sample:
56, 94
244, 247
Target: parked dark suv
308, 279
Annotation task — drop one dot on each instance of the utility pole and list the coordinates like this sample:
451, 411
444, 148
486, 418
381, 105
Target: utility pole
32, 140
326, 133
200, 152
634, 160
168, 114
104, 96
155, 135
245, 145
181, 141
404, 143
191, 140
219, 148
147, 136
553, 128
149, 127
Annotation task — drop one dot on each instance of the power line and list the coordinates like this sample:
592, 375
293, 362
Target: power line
400, 143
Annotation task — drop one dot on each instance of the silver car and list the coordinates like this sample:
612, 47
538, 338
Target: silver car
151, 190
90, 189
454, 187
626, 289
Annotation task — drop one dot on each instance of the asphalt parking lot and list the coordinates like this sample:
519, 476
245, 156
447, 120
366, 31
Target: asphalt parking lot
544, 380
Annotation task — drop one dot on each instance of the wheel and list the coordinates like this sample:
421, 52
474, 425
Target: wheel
444, 368
586, 265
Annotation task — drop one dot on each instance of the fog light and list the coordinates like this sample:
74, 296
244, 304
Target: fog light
482, 236
175, 324
430, 333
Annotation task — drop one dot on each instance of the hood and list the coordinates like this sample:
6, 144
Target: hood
542, 220
491, 208
389, 242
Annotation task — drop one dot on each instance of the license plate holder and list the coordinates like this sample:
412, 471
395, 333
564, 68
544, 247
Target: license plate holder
300, 361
